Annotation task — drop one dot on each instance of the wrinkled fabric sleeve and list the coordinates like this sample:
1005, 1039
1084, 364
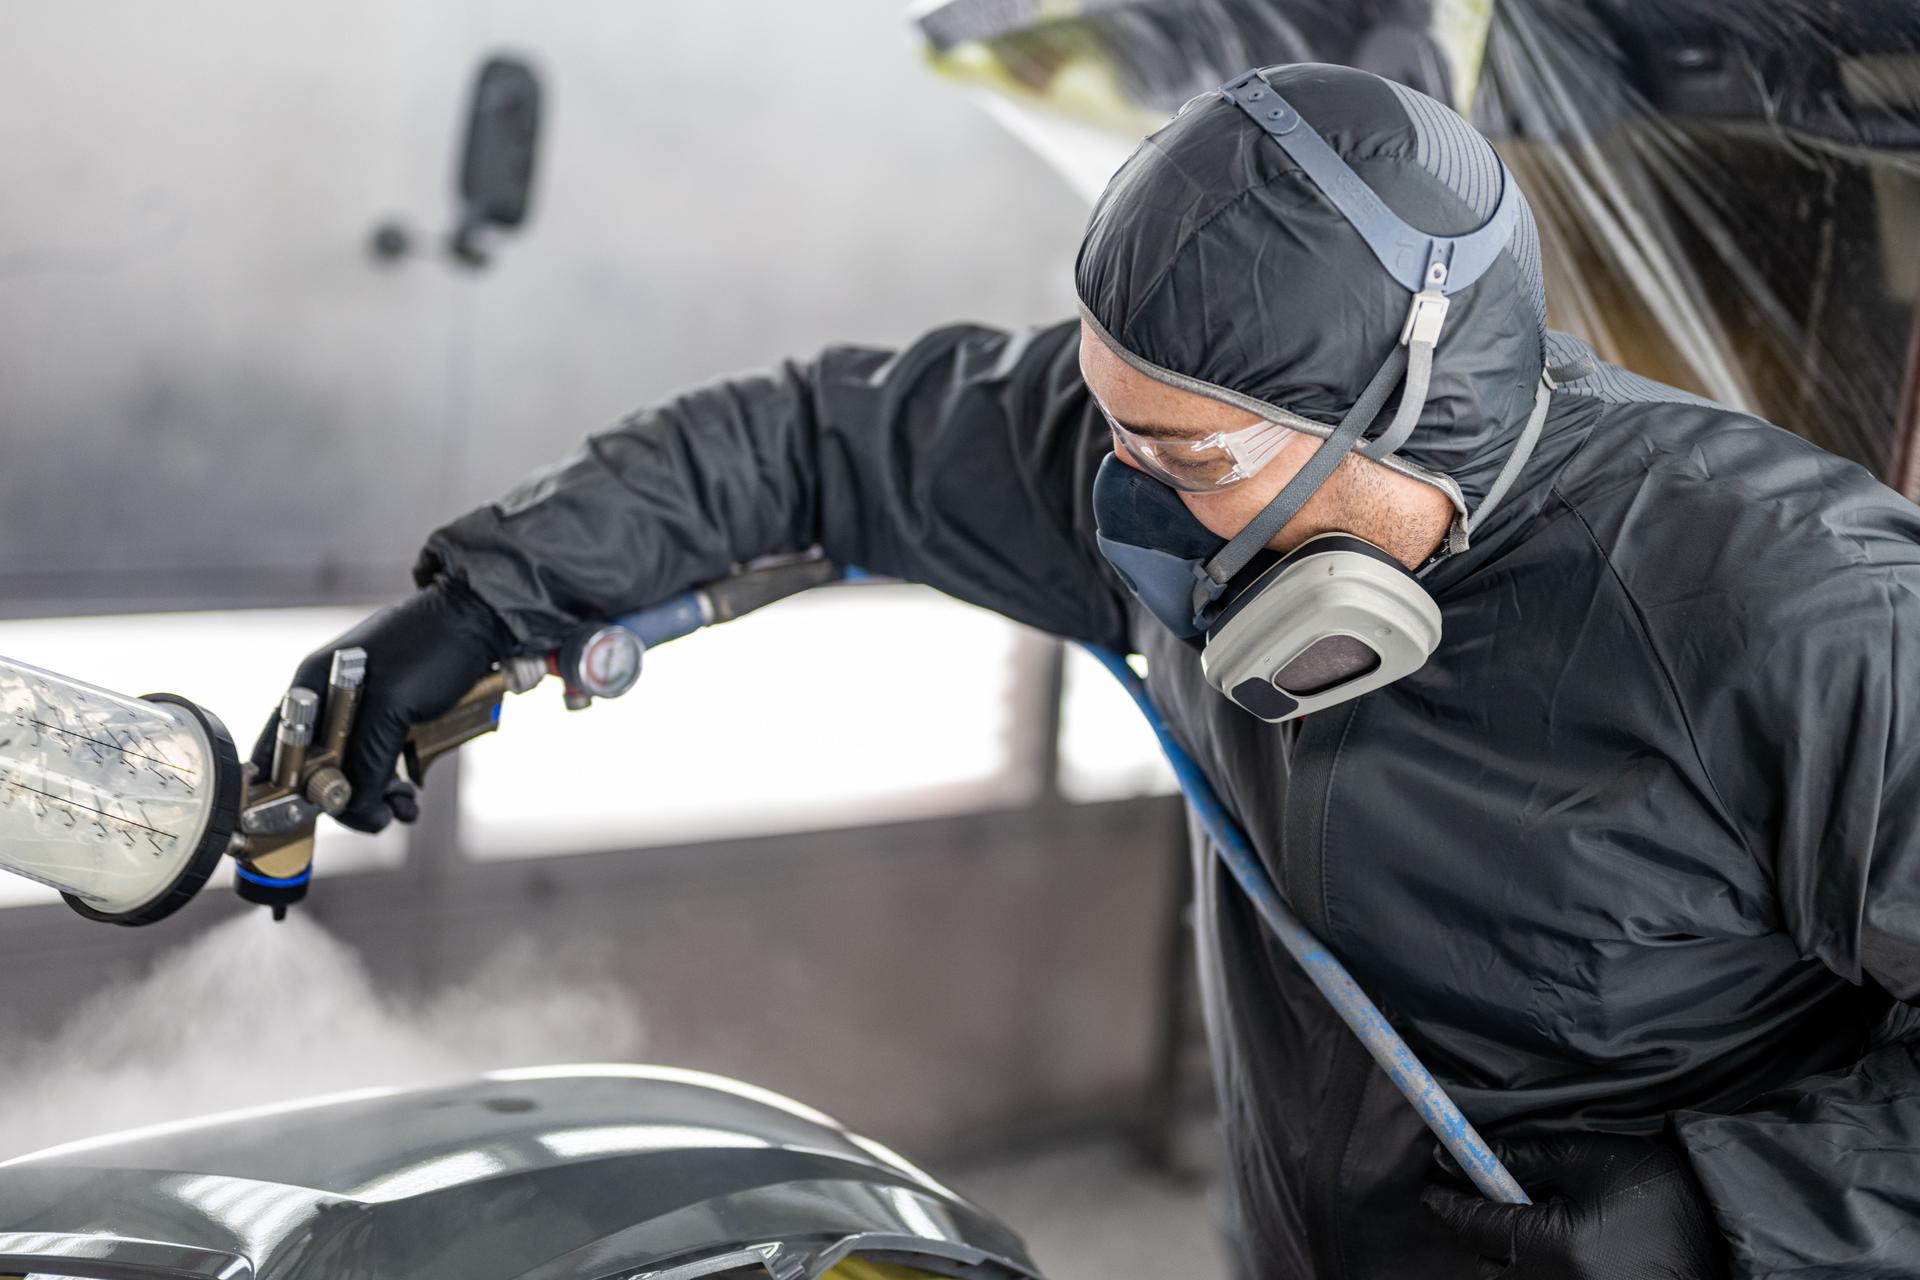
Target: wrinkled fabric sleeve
1804, 698
1819, 1180
963, 460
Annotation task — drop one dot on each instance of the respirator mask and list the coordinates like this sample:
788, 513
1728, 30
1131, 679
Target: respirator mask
1285, 635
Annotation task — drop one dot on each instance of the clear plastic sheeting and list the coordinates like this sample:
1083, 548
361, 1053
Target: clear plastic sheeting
1728, 193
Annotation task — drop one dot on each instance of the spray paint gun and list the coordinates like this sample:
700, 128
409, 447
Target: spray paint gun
281, 812
126, 805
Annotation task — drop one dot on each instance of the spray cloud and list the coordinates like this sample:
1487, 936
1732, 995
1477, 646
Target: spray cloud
252, 1012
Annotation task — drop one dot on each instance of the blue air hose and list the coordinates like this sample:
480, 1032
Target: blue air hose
1327, 973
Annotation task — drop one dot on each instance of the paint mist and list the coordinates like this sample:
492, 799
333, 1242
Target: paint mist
251, 1012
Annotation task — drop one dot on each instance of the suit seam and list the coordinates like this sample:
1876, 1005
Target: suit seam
1349, 1093
1660, 664
1193, 238
1326, 822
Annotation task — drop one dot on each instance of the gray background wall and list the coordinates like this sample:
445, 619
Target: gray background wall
210, 392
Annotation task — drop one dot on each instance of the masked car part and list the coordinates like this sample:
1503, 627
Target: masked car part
554, 1173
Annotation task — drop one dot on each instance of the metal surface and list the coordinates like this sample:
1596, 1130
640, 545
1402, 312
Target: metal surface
280, 816
107, 1257
343, 697
475, 715
559, 1173
297, 712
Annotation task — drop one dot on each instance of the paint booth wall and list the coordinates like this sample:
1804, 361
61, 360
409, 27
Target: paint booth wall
211, 390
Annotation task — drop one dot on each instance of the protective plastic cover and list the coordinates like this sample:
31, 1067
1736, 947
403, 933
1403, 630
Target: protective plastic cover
1728, 193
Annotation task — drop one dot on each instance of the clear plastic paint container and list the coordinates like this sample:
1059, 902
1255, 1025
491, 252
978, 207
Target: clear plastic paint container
123, 804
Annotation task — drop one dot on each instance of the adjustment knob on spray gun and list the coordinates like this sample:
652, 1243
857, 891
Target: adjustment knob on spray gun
329, 787
298, 711
275, 841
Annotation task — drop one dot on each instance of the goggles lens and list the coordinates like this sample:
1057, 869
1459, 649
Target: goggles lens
1201, 464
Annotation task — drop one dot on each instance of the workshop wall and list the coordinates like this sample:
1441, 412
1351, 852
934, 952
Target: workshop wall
215, 392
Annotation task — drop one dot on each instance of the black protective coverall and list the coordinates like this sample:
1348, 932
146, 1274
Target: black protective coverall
1639, 844
1637, 850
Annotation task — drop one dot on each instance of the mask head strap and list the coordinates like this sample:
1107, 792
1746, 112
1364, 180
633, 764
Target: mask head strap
1430, 267
1443, 265
1213, 577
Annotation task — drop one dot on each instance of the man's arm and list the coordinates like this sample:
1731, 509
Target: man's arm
1819, 1180
1801, 684
963, 461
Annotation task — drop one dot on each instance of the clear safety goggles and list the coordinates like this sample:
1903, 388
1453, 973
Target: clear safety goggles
1201, 464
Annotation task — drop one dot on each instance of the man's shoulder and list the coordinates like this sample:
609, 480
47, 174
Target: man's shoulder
1682, 488
1740, 543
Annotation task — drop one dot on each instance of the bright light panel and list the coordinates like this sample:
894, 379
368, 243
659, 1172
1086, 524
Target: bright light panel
1107, 752
834, 709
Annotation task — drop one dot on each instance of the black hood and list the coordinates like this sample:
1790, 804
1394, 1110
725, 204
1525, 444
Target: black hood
1213, 256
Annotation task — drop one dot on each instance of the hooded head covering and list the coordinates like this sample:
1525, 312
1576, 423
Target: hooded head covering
1213, 262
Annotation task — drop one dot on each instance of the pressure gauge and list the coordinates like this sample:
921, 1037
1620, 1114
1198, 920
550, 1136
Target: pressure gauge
599, 662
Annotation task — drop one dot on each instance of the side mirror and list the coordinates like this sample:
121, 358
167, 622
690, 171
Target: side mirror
496, 167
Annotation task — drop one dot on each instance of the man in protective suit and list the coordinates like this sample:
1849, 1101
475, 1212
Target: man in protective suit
1632, 860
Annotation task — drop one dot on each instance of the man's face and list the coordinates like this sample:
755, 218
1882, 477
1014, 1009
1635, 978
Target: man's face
1406, 517
1160, 410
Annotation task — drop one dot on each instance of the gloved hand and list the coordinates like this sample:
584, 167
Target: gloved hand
1606, 1207
423, 654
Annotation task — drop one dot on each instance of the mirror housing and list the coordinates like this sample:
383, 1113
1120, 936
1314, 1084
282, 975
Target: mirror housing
497, 161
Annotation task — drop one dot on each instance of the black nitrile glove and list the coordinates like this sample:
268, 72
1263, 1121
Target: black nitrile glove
423, 654
1606, 1207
